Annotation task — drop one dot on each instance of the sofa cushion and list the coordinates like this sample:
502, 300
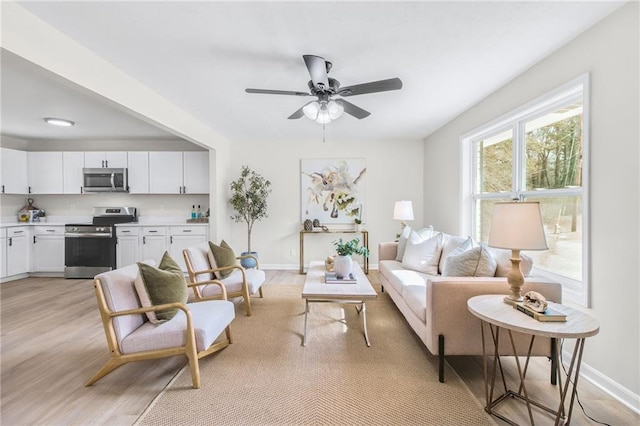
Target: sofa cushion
423, 255
449, 244
416, 298
503, 259
157, 286
476, 262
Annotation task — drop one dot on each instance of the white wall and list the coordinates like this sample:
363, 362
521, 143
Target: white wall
394, 172
610, 52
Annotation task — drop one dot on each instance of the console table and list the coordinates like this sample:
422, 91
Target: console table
498, 315
365, 243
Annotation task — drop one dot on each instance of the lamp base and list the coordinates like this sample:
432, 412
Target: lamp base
509, 301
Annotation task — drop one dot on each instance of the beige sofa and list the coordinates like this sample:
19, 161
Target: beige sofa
436, 307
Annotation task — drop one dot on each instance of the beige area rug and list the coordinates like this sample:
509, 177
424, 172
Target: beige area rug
266, 377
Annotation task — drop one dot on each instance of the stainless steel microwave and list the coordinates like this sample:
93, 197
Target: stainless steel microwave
105, 180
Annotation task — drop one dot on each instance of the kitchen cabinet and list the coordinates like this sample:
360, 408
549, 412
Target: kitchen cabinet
13, 176
179, 172
111, 159
181, 237
17, 250
3, 252
45, 172
154, 242
48, 249
138, 172
72, 165
128, 246
196, 172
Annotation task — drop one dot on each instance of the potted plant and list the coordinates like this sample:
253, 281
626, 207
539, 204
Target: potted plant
249, 200
345, 249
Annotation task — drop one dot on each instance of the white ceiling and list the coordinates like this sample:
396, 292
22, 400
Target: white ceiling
202, 55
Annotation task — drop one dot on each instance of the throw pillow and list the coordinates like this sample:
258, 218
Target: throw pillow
423, 255
223, 256
466, 245
503, 257
402, 242
157, 286
449, 244
476, 262
424, 233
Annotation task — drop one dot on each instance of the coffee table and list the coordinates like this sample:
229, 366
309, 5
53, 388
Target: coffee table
315, 290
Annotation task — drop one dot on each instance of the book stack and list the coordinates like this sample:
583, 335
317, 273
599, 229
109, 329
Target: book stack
333, 278
547, 316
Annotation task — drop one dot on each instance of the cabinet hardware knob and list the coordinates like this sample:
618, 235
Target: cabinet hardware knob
144, 240
34, 239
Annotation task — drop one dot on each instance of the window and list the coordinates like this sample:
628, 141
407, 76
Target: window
536, 153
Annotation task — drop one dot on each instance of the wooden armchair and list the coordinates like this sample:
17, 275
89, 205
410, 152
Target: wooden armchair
240, 283
193, 331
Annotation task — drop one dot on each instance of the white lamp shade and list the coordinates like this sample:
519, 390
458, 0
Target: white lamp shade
311, 110
323, 115
517, 226
403, 210
335, 109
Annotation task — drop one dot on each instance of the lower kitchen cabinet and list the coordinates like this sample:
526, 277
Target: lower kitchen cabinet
3, 252
128, 246
181, 237
48, 249
154, 242
17, 250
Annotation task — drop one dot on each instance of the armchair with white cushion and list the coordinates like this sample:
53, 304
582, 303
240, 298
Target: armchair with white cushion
241, 282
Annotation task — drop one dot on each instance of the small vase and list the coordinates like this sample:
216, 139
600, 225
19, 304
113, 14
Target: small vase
342, 266
248, 262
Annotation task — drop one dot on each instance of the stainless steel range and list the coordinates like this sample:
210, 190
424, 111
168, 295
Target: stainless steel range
90, 248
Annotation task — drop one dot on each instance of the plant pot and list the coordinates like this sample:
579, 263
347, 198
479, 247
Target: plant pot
342, 265
248, 262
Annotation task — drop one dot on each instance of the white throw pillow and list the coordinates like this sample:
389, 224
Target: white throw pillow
449, 244
503, 258
423, 255
402, 242
476, 262
466, 245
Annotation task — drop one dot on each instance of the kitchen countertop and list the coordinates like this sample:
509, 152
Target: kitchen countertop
61, 221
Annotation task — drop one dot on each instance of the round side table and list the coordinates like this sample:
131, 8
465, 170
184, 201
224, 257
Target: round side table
498, 315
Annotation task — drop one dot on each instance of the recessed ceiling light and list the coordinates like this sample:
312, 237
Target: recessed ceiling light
59, 122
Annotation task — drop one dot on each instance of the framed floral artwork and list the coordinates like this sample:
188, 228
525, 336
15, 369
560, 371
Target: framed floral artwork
332, 190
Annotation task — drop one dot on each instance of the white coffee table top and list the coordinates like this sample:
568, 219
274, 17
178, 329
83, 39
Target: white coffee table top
316, 288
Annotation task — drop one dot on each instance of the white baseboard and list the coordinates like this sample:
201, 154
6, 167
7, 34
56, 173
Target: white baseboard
610, 387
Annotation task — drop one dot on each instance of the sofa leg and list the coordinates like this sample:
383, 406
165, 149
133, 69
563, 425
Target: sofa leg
441, 358
554, 361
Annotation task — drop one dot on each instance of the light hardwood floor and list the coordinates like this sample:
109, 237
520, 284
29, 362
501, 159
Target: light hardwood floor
52, 341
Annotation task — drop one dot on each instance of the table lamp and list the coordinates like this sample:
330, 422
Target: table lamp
403, 210
517, 226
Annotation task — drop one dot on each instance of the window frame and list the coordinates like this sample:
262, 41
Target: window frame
574, 291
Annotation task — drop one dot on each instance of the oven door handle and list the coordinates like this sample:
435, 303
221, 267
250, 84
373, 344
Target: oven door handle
87, 235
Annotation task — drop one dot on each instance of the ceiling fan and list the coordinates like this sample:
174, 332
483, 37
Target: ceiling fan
325, 88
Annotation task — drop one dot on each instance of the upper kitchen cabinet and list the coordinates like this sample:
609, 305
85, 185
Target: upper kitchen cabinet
13, 175
72, 163
45, 172
111, 159
179, 172
138, 172
196, 172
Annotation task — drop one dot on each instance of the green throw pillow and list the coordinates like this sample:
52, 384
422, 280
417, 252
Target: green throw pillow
164, 284
224, 256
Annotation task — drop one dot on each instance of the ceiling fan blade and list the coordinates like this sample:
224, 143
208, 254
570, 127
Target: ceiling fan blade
299, 113
276, 92
373, 87
356, 111
317, 67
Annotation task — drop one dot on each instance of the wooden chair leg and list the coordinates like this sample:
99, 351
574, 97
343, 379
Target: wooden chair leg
247, 299
228, 333
111, 365
260, 290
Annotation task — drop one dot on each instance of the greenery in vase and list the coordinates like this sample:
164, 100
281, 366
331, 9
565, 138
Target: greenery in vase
249, 199
348, 248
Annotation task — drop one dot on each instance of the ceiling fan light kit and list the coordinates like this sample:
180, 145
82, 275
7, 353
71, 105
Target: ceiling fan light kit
326, 109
